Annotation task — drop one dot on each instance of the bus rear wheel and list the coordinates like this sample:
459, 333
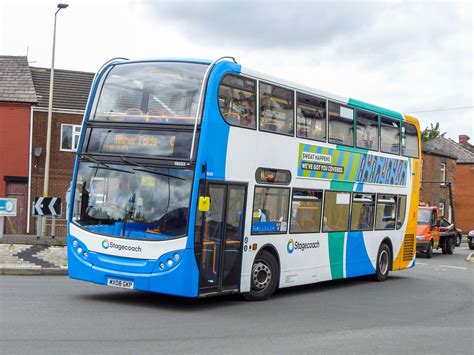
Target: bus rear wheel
264, 277
384, 257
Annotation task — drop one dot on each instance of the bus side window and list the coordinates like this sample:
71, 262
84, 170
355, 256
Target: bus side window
311, 117
402, 201
409, 140
363, 211
386, 210
341, 124
237, 101
336, 211
389, 135
367, 130
270, 210
276, 109
306, 211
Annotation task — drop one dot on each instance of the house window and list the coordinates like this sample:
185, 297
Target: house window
70, 137
443, 174
441, 209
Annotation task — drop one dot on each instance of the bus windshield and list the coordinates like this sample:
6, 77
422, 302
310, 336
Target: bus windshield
151, 92
136, 202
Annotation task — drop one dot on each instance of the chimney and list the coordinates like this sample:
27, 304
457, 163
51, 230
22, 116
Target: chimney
463, 139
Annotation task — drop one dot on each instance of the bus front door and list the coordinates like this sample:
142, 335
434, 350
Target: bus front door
218, 237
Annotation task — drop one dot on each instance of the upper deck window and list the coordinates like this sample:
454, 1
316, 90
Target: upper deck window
159, 92
389, 135
367, 130
276, 109
311, 117
409, 140
237, 101
341, 124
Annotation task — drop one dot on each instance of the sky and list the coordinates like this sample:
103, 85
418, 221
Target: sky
412, 57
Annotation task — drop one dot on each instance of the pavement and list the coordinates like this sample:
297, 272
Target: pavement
27, 255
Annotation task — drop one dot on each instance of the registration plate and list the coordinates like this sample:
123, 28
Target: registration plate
120, 283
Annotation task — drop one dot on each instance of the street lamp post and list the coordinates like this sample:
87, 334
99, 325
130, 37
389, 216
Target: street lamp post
50, 114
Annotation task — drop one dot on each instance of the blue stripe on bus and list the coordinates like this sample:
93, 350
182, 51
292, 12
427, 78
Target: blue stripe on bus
212, 148
357, 258
360, 187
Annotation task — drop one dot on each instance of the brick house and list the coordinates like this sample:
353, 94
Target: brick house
71, 91
17, 97
464, 173
438, 166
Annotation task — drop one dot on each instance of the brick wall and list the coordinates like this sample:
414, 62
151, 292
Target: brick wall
464, 197
14, 141
61, 162
434, 193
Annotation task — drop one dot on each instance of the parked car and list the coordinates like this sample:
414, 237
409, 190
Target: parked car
470, 240
447, 228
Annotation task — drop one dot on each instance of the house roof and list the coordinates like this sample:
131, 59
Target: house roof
449, 146
71, 88
431, 148
16, 84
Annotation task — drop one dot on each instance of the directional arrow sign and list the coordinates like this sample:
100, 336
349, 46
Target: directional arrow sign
47, 206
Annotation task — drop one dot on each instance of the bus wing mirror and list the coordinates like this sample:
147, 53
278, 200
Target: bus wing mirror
204, 203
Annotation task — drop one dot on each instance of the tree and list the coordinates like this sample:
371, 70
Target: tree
431, 132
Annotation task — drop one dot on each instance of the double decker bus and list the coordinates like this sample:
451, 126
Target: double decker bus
198, 178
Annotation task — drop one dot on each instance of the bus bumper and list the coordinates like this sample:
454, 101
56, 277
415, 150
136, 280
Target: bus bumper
181, 279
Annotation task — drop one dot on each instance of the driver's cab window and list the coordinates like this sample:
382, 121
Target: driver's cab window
237, 101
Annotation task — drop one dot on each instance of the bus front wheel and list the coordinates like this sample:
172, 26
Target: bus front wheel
264, 277
384, 257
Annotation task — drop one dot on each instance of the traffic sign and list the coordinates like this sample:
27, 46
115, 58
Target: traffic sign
7, 207
47, 206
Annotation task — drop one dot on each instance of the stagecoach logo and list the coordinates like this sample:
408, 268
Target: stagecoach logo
106, 245
302, 246
290, 246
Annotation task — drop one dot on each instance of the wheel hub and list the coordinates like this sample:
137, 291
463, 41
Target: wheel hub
261, 276
383, 262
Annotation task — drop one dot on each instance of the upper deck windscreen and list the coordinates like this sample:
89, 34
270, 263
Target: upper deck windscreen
151, 92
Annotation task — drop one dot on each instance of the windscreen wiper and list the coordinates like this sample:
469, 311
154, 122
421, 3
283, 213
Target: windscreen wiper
102, 165
147, 170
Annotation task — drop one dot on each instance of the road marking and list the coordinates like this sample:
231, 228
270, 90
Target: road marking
454, 267
418, 263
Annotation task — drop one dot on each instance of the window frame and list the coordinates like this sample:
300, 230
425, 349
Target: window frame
74, 134
352, 209
291, 209
326, 128
287, 211
440, 203
353, 123
256, 100
324, 209
398, 211
376, 213
378, 137
443, 174
293, 96
399, 122
402, 136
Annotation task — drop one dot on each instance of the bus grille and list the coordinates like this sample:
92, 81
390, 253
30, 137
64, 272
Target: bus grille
408, 247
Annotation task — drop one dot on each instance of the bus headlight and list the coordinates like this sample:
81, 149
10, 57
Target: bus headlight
176, 256
170, 262
162, 266
74, 243
79, 250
